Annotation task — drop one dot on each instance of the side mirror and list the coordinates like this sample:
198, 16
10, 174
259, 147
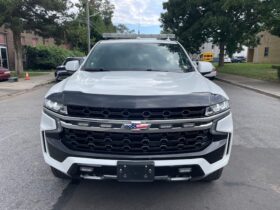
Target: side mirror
205, 67
72, 65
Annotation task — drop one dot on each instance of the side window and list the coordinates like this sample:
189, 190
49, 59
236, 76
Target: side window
266, 51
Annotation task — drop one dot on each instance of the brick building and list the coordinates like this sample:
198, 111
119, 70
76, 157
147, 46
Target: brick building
268, 51
7, 49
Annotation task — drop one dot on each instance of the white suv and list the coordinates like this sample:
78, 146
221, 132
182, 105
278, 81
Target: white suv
137, 110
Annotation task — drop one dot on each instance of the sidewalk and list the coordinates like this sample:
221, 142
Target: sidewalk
12, 88
264, 87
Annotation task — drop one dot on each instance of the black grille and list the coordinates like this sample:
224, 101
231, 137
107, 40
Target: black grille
136, 144
136, 114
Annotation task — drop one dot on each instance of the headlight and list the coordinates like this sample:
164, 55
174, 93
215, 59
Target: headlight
217, 108
57, 107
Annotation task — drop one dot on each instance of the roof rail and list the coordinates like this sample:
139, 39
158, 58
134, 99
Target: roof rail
137, 36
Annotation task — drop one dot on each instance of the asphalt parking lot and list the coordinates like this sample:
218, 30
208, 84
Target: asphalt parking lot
251, 181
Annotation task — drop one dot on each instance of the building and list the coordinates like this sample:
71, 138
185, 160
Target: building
7, 49
268, 51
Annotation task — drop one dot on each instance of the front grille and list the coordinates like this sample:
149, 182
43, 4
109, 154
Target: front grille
136, 143
136, 114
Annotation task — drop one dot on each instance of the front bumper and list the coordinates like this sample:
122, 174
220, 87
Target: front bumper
199, 164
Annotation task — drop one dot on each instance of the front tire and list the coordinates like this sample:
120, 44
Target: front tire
59, 174
214, 176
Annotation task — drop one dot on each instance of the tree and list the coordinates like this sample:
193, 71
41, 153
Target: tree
41, 16
76, 34
101, 13
107, 11
123, 29
272, 17
185, 20
227, 23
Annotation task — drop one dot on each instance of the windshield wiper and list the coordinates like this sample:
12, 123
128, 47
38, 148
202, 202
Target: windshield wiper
95, 69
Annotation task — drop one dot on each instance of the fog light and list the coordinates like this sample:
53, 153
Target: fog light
86, 169
184, 170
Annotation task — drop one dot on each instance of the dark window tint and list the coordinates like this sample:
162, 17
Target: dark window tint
138, 56
266, 51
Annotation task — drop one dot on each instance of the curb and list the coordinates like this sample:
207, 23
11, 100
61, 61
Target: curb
43, 84
249, 88
20, 92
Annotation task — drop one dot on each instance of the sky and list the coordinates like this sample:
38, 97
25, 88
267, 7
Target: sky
142, 14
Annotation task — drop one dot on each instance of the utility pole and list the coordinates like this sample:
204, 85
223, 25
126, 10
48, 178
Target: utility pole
88, 25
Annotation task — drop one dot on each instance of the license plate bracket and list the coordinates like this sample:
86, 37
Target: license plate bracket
135, 171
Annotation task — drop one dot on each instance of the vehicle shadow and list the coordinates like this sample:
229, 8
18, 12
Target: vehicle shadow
115, 195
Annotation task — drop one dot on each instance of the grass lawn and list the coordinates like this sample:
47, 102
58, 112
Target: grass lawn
256, 71
31, 73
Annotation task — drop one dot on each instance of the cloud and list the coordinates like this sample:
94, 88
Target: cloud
143, 12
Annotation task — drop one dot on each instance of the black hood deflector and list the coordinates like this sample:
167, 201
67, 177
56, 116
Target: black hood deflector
136, 102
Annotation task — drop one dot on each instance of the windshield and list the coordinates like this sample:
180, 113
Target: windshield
138, 57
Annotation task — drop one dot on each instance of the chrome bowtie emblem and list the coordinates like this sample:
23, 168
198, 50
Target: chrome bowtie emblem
136, 126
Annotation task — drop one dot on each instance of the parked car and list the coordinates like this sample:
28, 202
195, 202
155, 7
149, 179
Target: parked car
238, 59
137, 110
207, 69
61, 73
226, 60
242, 58
5, 74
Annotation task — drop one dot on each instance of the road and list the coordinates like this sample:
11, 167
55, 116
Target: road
250, 181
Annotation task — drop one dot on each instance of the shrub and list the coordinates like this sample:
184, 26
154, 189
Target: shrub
47, 57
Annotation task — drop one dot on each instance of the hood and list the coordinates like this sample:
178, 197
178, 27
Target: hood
133, 90
130, 83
